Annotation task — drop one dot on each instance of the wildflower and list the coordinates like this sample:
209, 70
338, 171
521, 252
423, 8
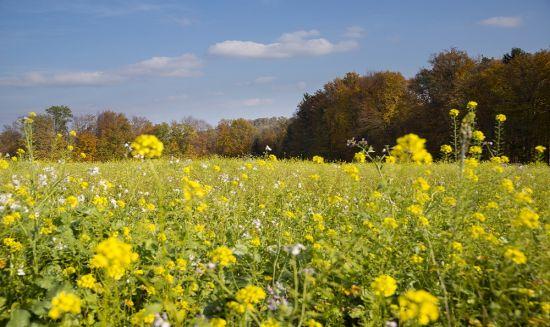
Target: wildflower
475, 150
223, 256
472, 105
416, 259
70, 147
418, 305
9, 219
477, 231
114, 256
64, 303
143, 317
540, 148
71, 201
422, 184
508, 185
359, 157
479, 216
446, 149
12, 244
450, 201
390, 223
478, 136
86, 281
410, 148
515, 255
318, 159
454, 112
4, 164
147, 146
217, 322
500, 118
527, 217
384, 285
250, 295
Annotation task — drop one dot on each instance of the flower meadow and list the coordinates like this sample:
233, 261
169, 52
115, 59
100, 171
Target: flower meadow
267, 242
390, 240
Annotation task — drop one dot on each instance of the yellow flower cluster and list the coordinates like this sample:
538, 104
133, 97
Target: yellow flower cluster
527, 217
250, 295
64, 303
11, 218
500, 118
540, 148
318, 159
360, 157
12, 244
515, 255
446, 149
3, 164
454, 112
223, 256
478, 136
384, 285
419, 305
147, 146
410, 148
114, 256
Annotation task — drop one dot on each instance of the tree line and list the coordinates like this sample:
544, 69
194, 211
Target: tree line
378, 107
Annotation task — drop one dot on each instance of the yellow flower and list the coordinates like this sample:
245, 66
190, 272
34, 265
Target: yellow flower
472, 105
64, 303
500, 118
9, 219
527, 217
540, 148
272, 157
271, 322
12, 244
446, 149
515, 255
72, 133
217, 322
454, 112
419, 305
318, 159
384, 285
86, 281
359, 157
478, 136
147, 146
390, 223
4, 164
476, 149
410, 148
250, 294
72, 201
143, 317
114, 256
223, 256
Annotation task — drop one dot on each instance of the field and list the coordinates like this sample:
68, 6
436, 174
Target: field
268, 242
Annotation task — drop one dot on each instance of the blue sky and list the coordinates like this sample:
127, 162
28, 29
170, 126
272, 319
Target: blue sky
225, 59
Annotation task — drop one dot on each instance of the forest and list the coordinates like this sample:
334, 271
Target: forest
377, 106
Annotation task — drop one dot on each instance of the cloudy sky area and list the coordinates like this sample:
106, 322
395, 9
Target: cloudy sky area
225, 59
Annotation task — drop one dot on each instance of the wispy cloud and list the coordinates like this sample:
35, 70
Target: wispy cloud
355, 32
254, 102
186, 65
502, 21
299, 43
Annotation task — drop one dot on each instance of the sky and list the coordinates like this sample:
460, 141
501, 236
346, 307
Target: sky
215, 59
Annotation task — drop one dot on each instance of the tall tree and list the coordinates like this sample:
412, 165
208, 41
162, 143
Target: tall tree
61, 116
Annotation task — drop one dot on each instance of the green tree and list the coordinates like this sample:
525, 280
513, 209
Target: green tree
61, 116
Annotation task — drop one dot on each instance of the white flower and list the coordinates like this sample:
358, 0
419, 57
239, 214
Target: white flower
267, 148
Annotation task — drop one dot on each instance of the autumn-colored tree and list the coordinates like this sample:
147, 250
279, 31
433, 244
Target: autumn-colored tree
113, 132
234, 137
11, 139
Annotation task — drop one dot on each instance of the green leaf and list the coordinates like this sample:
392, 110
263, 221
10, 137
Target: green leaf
19, 318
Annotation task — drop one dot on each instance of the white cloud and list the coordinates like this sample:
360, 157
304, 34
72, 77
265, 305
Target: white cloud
183, 66
354, 32
299, 43
264, 79
186, 65
501, 21
254, 102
